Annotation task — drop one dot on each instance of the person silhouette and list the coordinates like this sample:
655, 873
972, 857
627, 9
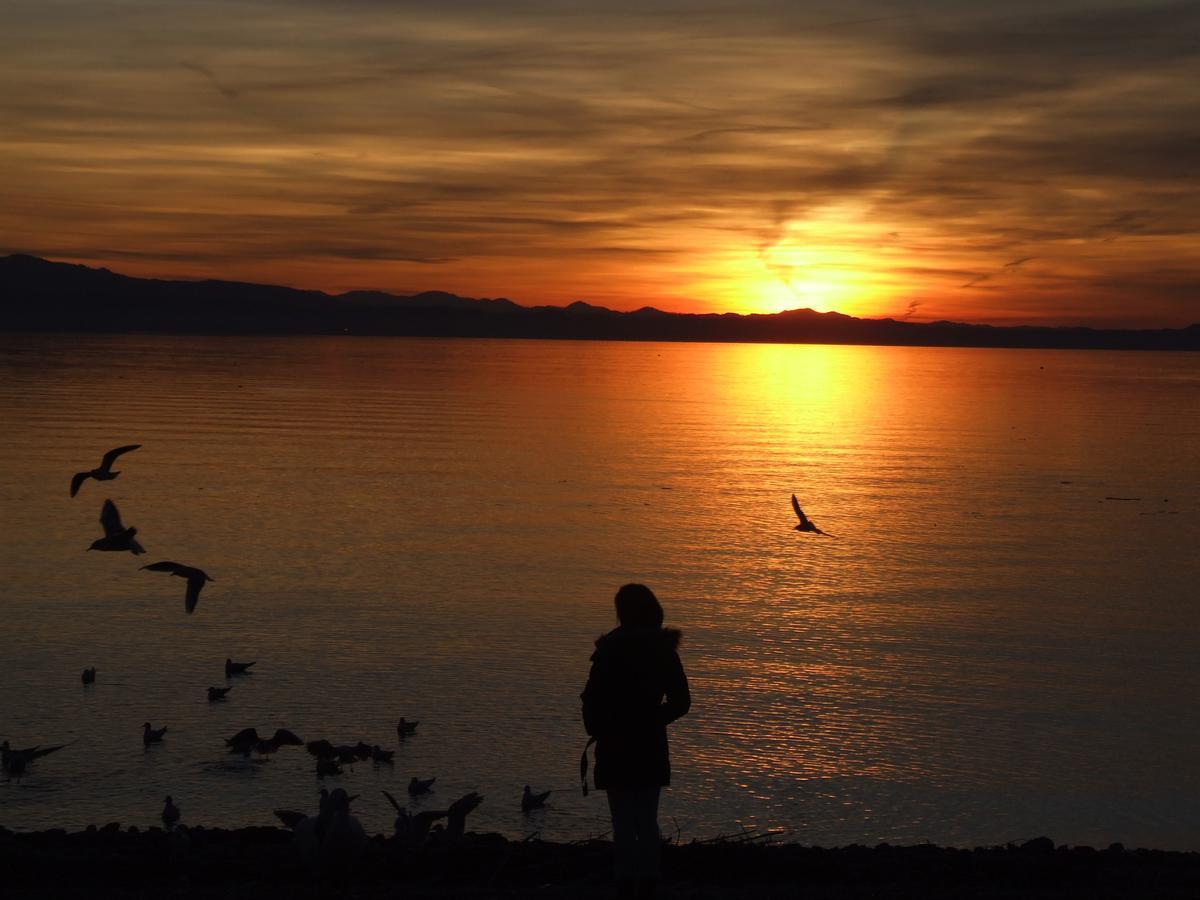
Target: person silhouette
635, 689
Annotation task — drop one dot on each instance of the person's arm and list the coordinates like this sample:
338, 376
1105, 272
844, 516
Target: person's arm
678, 696
592, 700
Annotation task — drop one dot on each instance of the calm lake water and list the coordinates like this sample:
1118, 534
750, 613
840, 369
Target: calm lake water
988, 650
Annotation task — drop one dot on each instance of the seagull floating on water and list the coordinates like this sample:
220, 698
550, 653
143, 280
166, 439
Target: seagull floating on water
215, 694
88, 676
195, 579
102, 472
248, 739
116, 536
152, 735
170, 813
379, 755
235, 668
418, 786
327, 766
805, 522
405, 728
531, 801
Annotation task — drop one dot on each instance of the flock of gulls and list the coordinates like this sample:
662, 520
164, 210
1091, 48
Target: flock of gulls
332, 829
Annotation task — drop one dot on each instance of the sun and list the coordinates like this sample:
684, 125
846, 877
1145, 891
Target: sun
831, 261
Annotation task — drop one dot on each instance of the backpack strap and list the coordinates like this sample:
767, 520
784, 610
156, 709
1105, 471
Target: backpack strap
583, 764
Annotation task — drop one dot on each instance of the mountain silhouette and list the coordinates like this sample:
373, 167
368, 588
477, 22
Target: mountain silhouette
41, 295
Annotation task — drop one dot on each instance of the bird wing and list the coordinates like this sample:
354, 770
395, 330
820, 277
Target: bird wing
805, 522
111, 456
164, 566
135, 548
43, 751
77, 479
245, 736
283, 736
110, 519
194, 584
392, 800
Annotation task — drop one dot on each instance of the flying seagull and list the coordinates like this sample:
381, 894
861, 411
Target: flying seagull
116, 535
195, 579
805, 522
102, 472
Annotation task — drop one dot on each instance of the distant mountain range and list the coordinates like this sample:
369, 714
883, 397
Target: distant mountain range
40, 295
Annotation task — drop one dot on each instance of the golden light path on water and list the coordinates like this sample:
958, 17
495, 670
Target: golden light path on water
985, 649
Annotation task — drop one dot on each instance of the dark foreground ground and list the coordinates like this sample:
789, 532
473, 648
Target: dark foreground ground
262, 863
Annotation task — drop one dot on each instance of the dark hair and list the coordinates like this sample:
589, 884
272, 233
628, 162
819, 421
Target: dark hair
637, 606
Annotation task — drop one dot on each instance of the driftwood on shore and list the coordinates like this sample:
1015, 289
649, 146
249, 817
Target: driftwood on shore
112, 862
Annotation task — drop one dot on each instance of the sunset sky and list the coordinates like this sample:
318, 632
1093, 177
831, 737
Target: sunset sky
993, 162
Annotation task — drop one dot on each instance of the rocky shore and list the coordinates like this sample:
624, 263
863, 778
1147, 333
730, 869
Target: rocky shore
116, 862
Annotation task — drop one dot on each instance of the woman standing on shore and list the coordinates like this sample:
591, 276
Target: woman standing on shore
636, 688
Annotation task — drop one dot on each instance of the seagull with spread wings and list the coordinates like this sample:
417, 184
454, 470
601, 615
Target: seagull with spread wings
806, 523
102, 472
195, 579
116, 536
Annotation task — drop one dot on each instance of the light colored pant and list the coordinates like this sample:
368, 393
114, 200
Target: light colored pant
635, 831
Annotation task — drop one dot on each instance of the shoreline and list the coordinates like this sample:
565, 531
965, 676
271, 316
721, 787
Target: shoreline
197, 862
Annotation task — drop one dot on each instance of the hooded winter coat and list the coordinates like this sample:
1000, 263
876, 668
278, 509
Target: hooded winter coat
636, 688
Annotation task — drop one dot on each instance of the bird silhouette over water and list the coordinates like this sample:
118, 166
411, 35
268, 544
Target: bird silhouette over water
215, 693
418, 786
102, 472
116, 536
15, 761
88, 676
237, 668
195, 579
404, 728
806, 523
152, 735
170, 813
531, 801
248, 739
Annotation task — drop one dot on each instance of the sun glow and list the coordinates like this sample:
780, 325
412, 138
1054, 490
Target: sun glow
831, 260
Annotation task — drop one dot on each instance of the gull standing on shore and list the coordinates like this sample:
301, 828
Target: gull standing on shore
170, 813
102, 472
